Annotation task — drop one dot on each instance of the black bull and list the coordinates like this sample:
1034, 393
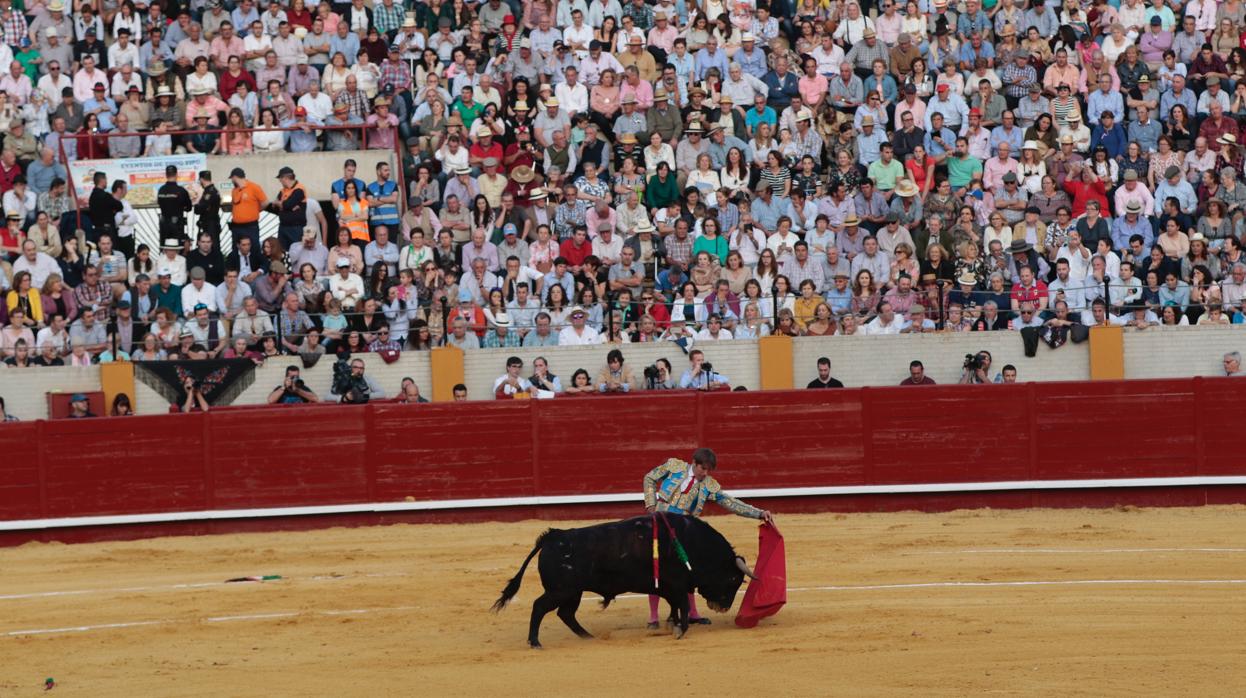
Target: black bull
617, 558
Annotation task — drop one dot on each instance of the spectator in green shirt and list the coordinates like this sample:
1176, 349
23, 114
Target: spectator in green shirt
467, 108
962, 167
886, 171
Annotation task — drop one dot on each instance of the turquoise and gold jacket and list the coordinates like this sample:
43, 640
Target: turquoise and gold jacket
663, 487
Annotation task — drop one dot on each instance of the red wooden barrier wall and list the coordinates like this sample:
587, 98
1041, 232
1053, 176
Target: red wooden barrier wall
283, 457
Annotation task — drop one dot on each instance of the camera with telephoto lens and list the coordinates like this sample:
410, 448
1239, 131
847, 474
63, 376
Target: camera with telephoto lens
973, 362
707, 367
651, 372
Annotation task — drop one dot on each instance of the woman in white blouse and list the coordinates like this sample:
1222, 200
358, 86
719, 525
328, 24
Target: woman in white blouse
265, 139
735, 172
762, 144
125, 17
334, 79
852, 26
704, 178
367, 75
201, 77
752, 326
1115, 43
914, 24
657, 151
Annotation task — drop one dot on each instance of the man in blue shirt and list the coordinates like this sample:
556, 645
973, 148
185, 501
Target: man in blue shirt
974, 49
1177, 187
670, 280
839, 296
1042, 17
711, 57
1146, 131
752, 60
1008, 132
101, 105
869, 141
972, 21
1177, 94
683, 62
759, 114
1109, 134
766, 210
940, 141
1106, 99
244, 14
345, 42
1129, 224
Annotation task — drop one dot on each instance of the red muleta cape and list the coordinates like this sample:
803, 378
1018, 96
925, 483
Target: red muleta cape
768, 592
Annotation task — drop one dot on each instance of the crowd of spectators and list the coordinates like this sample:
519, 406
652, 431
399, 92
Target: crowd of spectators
622, 171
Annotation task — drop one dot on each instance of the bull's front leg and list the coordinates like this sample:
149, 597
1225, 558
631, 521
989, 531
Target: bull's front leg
679, 608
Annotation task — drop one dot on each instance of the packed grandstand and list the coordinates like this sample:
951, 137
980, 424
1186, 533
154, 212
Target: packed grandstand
531, 174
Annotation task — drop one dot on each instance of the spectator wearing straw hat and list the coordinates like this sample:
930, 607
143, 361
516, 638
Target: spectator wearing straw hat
578, 333
501, 334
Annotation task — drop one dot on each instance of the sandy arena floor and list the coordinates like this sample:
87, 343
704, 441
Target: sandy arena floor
878, 605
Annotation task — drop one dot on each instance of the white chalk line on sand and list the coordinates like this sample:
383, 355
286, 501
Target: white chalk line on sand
334, 578
855, 587
1078, 551
176, 587
212, 619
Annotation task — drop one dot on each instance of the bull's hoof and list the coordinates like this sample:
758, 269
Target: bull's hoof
679, 632
652, 625
700, 621
535, 645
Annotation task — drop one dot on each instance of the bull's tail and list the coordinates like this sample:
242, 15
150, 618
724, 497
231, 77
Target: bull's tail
512, 587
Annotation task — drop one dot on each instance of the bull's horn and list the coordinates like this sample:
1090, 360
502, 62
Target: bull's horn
739, 562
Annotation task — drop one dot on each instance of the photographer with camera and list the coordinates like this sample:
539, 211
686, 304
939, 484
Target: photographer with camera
292, 391
700, 374
658, 376
195, 401
977, 369
350, 385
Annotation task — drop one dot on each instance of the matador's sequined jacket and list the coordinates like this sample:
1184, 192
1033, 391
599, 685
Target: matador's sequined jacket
664, 487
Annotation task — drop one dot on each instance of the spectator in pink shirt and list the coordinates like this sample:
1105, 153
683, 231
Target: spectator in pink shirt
994, 169
813, 86
633, 86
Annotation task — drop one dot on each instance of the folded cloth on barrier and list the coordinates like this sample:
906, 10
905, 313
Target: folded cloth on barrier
767, 593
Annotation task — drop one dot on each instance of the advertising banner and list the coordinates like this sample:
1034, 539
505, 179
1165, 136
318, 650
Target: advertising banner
143, 175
